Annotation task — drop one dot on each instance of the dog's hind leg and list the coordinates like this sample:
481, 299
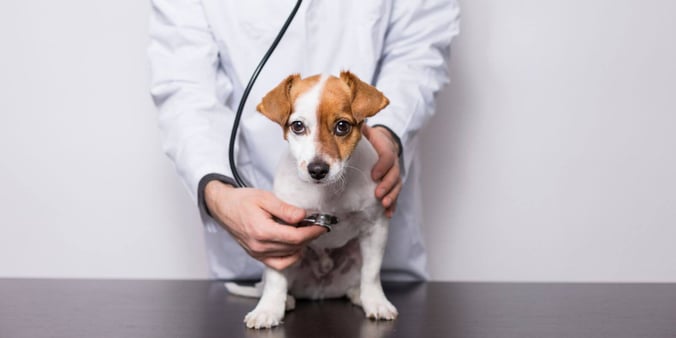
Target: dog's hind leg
290, 303
354, 295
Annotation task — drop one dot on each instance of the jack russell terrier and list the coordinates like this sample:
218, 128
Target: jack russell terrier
326, 171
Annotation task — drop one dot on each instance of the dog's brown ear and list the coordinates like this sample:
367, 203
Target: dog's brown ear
276, 104
366, 99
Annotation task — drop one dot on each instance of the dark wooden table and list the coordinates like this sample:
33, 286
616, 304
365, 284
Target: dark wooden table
194, 309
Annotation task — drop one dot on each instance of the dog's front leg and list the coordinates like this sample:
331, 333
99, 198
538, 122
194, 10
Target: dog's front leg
373, 300
270, 309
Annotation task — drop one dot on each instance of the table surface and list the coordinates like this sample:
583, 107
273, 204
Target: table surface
194, 309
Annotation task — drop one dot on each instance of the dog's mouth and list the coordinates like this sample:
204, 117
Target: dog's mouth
321, 181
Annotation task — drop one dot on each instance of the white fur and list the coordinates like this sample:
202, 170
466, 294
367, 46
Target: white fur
304, 147
349, 195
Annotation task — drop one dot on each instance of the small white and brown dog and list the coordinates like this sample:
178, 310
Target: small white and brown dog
326, 170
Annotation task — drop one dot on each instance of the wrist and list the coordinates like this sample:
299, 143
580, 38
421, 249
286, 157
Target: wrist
216, 184
213, 193
394, 138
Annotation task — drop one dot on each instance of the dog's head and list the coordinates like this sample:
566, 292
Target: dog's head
322, 117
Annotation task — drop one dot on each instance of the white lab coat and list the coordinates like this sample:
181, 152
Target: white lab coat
202, 53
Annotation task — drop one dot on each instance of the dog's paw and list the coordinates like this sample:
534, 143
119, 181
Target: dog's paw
263, 318
379, 309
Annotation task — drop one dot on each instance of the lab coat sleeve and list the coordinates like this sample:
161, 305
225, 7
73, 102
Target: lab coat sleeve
414, 66
189, 91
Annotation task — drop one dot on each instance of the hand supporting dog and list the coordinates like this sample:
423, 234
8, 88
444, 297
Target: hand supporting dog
386, 171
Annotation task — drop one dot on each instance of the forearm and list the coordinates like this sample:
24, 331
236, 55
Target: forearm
189, 91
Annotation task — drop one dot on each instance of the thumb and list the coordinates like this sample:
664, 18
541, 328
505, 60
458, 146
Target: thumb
366, 131
281, 263
286, 212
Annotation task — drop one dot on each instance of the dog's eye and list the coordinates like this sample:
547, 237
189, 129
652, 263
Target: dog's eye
297, 127
342, 128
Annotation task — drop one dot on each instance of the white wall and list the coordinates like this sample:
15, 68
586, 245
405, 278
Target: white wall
559, 144
85, 190
554, 146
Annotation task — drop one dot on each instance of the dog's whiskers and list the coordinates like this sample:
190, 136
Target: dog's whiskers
359, 170
340, 184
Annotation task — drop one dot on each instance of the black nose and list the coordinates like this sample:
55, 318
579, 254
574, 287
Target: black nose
318, 169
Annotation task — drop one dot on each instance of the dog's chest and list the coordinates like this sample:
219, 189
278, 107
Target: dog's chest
351, 199
356, 210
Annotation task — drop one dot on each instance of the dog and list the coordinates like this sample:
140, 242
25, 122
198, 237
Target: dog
326, 170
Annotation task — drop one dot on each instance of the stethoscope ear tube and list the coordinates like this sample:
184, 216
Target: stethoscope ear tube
238, 115
324, 220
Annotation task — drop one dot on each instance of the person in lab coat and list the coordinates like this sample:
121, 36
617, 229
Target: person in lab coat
202, 53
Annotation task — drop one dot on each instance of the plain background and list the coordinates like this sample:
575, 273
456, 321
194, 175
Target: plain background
551, 158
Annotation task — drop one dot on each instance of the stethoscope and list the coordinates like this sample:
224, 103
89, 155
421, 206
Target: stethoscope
324, 220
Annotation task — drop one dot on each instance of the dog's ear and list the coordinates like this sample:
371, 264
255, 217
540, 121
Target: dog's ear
366, 99
276, 105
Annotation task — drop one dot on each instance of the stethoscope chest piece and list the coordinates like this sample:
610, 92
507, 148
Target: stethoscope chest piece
324, 220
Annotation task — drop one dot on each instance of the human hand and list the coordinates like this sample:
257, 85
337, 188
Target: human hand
386, 171
247, 214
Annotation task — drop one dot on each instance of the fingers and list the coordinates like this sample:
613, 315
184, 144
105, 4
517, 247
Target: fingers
261, 249
286, 234
389, 212
382, 167
278, 245
281, 263
291, 235
288, 213
386, 160
389, 201
249, 216
388, 183
386, 148
386, 170
270, 238
391, 197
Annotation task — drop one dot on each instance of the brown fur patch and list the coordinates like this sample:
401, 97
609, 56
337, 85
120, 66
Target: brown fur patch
366, 99
335, 105
303, 86
350, 99
277, 104
299, 88
345, 98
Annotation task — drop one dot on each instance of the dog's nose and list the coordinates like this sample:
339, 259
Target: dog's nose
318, 170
